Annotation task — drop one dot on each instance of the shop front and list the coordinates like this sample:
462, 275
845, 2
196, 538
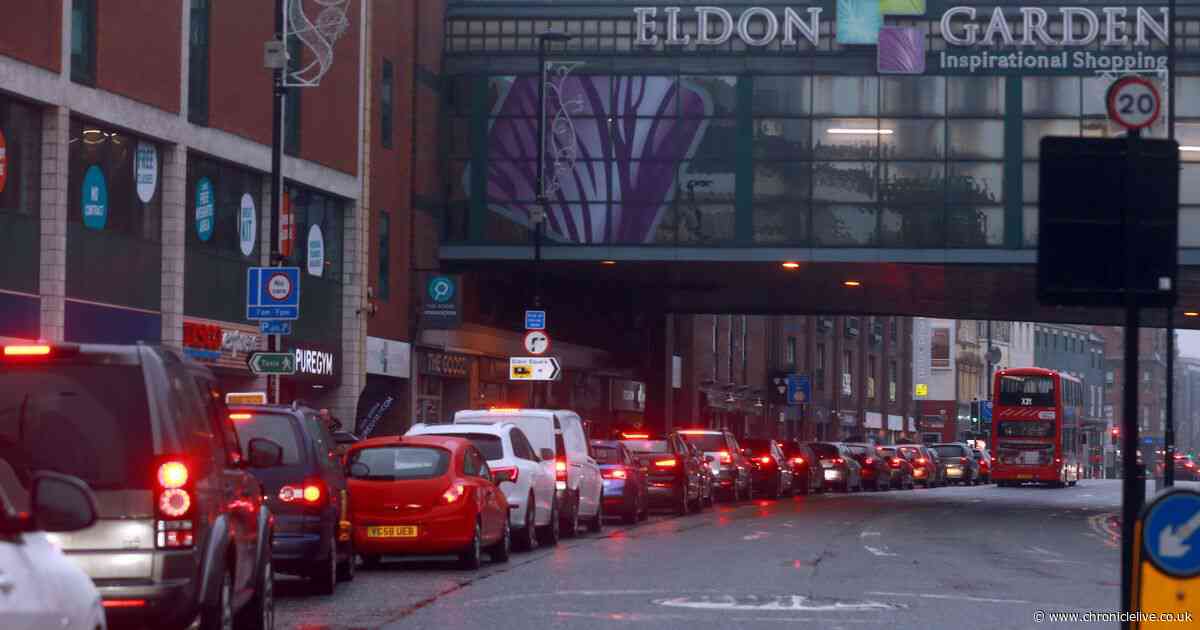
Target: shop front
383, 407
443, 385
224, 347
318, 374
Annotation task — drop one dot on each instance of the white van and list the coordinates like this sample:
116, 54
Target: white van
559, 438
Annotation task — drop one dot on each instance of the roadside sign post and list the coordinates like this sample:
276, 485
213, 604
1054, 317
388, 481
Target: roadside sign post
272, 363
537, 342
1166, 551
273, 299
534, 369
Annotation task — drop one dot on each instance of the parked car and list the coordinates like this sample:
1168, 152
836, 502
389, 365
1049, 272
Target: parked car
672, 474
306, 493
772, 473
925, 467
1186, 469
958, 462
183, 535
707, 480
983, 460
839, 470
901, 467
806, 473
624, 481
876, 474
39, 587
729, 466
527, 481
560, 440
426, 495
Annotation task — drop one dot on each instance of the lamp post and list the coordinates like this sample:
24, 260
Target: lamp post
540, 212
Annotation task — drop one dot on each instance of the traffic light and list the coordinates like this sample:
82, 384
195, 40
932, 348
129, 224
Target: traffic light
975, 416
1115, 432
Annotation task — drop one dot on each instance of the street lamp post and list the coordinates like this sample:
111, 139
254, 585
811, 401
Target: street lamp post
540, 212
278, 93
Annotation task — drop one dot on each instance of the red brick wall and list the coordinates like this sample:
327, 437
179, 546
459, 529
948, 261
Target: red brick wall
138, 51
33, 33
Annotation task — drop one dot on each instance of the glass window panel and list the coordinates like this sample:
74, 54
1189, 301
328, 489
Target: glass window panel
782, 139
1188, 135
912, 183
688, 224
640, 180
720, 137
844, 181
919, 226
696, 181
460, 137
912, 139
975, 96
845, 96
975, 183
1189, 227
845, 138
791, 180
1035, 130
1189, 183
784, 96
845, 226
977, 139
721, 92
1095, 92
510, 180
1029, 227
975, 227
646, 96
912, 96
1050, 95
1029, 182
1187, 98
781, 222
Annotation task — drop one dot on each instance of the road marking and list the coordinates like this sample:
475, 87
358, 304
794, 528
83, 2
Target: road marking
879, 552
865, 534
756, 535
798, 603
1044, 551
963, 598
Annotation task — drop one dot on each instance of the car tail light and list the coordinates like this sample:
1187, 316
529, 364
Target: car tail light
309, 494
26, 351
1189, 465
635, 436
895, 462
172, 475
560, 469
173, 505
920, 460
124, 603
1057, 460
666, 463
868, 461
238, 417
838, 460
764, 460
797, 461
962, 459
454, 493
506, 474
726, 458
614, 473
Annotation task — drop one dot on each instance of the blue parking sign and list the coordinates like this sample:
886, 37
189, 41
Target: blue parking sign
799, 390
272, 293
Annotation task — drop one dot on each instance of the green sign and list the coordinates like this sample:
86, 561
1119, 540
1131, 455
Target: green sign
272, 363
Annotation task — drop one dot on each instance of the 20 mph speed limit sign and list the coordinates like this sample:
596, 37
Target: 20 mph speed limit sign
1134, 102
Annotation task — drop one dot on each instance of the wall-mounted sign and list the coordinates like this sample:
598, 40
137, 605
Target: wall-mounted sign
145, 170
247, 225
388, 357
3, 161
205, 209
223, 344
315, 362
441, 302
442, 364
316, 251
95, 199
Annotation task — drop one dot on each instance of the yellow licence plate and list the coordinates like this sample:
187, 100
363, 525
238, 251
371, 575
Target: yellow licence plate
398, 531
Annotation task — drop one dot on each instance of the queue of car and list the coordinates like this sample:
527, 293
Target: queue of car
140, 497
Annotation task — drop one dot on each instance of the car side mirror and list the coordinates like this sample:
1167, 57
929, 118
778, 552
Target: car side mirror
61, 503
264, 453
546, 454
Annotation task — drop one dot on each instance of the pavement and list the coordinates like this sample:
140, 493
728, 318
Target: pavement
942, 558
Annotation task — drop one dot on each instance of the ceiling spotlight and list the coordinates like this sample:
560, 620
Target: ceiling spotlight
1191, 313
852, 283
608, 263
790, 265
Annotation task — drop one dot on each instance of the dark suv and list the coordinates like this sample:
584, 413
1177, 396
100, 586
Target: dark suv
306, 493
183, 534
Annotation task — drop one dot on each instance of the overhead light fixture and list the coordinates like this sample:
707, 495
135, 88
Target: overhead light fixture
851, 283
93, 136
1191, 313
608, 262
860, 132
1187, 147
790, 265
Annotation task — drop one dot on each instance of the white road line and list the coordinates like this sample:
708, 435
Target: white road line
1044, 551
963, 598
865, 534
756, 535
879, 552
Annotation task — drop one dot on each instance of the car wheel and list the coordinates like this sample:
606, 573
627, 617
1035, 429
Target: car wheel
570, 522
347, 567
218, 615
597, 522
527, 538
548, 533
681, 506
259, 613
502, 550
324, 574
471, 557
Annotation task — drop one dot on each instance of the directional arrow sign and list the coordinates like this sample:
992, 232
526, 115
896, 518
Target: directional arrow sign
533, 369
1172, 522
272, 363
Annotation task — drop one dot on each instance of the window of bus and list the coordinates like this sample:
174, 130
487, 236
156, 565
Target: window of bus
1027, 391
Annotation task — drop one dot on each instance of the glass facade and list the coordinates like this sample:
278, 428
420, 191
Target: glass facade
801, 145
20, 194
321, 284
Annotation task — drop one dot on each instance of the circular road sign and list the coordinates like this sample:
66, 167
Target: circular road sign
537, 342
1134, 102
279, 287
1171, 523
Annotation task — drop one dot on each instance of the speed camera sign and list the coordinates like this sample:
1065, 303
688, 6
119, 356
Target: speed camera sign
1134, 102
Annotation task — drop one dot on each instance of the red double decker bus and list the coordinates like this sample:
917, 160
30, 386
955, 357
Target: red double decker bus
1036, 431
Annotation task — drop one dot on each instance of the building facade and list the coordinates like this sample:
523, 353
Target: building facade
1079, 351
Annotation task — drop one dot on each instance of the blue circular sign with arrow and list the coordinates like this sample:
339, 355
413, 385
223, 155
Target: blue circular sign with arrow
1172, 532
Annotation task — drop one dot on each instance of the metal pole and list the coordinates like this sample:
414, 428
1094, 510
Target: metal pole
278, 93
1133, 485
1169, 430
987, 385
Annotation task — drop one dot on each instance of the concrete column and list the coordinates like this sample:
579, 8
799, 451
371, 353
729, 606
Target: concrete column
56, 130
354, 321
174, 230
660, 408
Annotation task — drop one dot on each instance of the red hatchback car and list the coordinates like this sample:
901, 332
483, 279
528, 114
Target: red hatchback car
425, 495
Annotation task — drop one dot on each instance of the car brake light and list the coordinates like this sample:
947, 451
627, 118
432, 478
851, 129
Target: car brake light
1189, 465
174, 502
765, 459
838, 460
920, 460
636, 436
240, 416
726, 458
173, 530
560, 469
454, 493
666, 463
172, 475
797, 460
615, 473
124, 603
962, 459
504, 409
26, 351
309, 493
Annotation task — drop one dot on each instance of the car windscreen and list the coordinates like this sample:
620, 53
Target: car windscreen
490, 445
90, 421
824, 450
277, 428
910, 451
1026, 391
399, 463
950, 450
857, 451
646, 446
1025, 429
606, 454
706, 442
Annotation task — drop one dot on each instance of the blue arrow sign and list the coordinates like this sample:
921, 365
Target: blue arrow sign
275, 327
273, 293
1172, 532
